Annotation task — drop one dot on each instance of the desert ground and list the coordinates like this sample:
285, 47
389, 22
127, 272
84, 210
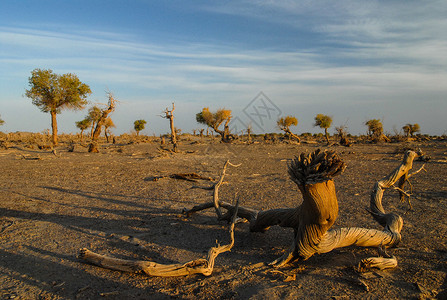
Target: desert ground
53, 205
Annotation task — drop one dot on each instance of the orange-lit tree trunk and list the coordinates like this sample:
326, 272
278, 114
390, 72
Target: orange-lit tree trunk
312, 220
54, 127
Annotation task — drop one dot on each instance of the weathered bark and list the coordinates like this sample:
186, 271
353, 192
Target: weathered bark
313, 174
183, 176
106, 133
312, 220
82, 135
216, 203
326, 134
92, 130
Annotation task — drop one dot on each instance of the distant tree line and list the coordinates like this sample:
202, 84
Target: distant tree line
52, 93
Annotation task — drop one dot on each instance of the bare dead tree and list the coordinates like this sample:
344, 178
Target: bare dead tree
198, 266
93, 147
169, 114
312, 220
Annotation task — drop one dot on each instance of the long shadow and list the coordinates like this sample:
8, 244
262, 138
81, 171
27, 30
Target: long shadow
157, 228
68, 221
64, 281
100, 196
158, 220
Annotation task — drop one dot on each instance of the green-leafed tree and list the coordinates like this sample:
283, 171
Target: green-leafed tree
324, 122
52, 93
375, 127
94, 114
139, 125
375, 131
284, 124
215, 120
93, 147
83, 125
1, 121
411, 129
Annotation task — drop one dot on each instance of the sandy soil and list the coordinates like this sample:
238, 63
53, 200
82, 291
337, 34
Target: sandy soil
53, 206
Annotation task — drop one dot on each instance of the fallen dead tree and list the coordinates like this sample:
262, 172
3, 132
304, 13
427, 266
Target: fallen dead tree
311, 221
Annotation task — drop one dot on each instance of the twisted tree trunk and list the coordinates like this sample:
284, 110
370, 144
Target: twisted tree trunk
312, 220
93, 147
291, 135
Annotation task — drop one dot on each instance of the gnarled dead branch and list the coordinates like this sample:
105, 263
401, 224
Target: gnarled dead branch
311, 221
216, 203
198, 266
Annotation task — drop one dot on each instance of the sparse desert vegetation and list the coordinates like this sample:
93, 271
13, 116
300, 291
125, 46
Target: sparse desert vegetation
223, 150
134, 204
52, 93
54, 205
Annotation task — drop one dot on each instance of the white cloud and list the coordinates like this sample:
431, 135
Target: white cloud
372, 51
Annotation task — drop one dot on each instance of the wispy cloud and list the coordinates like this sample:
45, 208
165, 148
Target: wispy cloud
369, 51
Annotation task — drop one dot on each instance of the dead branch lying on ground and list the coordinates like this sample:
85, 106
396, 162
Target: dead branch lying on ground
182, 176
198, 266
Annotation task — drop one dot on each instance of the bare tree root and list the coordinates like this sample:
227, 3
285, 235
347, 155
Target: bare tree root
198, 266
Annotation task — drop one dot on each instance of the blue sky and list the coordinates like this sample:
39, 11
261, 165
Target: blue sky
352, 60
